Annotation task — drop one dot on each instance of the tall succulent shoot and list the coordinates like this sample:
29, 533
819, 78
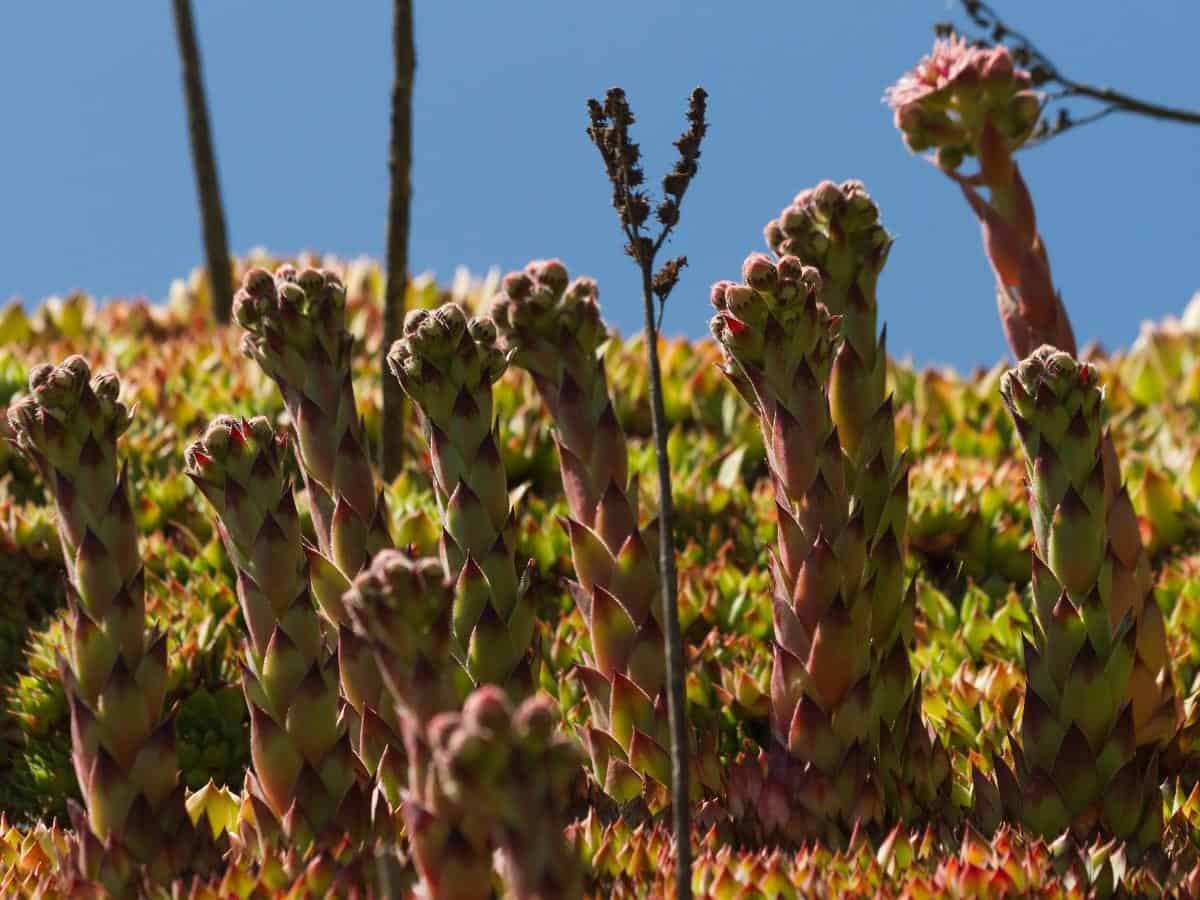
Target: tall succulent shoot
447, 365
778, 344
962, 101
115, 669
401, 609
295, 330
553, 329
1100, 702
306, 778
295, 326
836, 229
539, 864
499, 779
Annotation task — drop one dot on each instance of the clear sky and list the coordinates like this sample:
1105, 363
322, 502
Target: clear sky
96, 189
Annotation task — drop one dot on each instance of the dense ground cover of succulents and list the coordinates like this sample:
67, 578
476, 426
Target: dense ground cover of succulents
968, 572
942, 631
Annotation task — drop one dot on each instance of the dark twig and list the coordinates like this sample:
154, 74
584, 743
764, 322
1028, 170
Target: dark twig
609, 131
204, 164
400, 190
1044, 72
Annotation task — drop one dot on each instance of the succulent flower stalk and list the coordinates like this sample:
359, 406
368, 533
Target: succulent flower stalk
447, 365
452, 812
836, 229
552, 327
295, 323
964, 101
401, 610
306, 782
1100, 704
499, 779
539, 864
779, 342
115, 668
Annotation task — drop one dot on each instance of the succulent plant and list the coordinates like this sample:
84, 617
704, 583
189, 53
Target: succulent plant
741, 677
306, 779
999, 634
779, 343
211, 730
114, 671
342, 871
452, 812
498, 778
973, 512
1161, 366
1100, 703
552, 328
906, 862
447, 365
295, 330
401, 608
31, 860
966, 100
538, 863
295, 324
836, 229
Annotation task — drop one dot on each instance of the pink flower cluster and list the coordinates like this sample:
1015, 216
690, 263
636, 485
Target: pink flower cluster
946, 99
954, 62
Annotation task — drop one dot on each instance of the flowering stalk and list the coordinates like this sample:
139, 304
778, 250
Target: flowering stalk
778, 342
447, 365
553, 329
295, 324
498, 779
1100, 702
401, 608
963, 101
115, 669
539, 864
450, 813
306, 780
836, 229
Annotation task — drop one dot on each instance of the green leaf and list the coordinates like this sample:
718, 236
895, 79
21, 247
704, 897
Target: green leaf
730, 472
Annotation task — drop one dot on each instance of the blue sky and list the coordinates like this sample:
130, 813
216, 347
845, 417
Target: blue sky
96, 188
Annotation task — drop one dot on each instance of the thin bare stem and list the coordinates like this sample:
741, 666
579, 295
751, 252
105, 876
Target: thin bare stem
400, 171
1041, 135
204, 165
673, 640
622, 162
1122, 102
